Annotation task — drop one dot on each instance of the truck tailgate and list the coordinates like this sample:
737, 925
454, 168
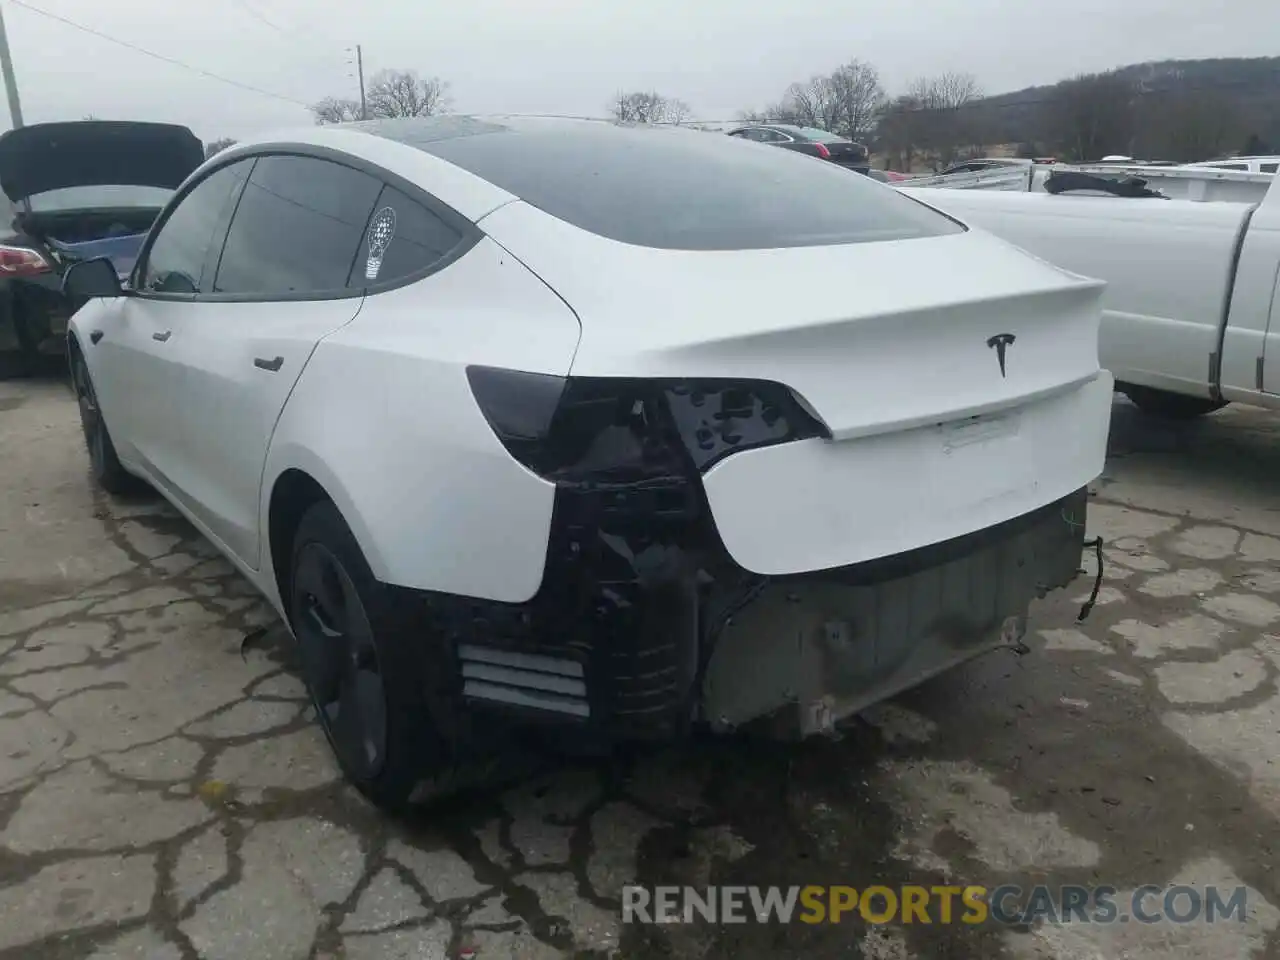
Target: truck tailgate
1168, 265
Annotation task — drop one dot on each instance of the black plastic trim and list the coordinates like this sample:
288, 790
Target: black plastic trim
1215, 358
471, 234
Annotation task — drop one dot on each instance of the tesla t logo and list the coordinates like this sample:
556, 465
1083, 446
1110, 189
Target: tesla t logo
1000, 343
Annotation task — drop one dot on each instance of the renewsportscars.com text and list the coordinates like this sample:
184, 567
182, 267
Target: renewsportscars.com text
1009, 905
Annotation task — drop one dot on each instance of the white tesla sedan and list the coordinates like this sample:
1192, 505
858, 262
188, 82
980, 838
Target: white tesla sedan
619, 428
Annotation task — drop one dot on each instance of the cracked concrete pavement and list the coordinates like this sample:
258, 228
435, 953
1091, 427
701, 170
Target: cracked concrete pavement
165, 796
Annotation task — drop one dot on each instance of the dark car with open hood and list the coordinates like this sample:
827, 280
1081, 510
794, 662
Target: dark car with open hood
77, 190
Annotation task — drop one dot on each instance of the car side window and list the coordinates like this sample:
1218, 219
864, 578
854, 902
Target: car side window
403, 237
297, 229
1269, 167
176, 260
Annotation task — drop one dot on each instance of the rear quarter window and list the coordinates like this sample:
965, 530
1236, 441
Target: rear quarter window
403, 238
684, 189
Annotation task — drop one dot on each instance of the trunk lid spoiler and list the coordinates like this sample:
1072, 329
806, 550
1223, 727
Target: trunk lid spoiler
53, 156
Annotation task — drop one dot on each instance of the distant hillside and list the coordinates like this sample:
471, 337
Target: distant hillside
1243, 94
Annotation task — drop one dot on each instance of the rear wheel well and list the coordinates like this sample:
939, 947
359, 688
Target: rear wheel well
293, 494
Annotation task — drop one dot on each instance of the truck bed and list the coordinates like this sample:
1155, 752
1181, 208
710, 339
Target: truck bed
1168, 265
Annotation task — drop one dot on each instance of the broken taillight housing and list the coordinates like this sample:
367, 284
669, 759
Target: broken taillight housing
21, 262
632, 430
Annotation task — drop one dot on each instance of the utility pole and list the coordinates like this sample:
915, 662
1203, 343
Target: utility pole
364, 111
10, 82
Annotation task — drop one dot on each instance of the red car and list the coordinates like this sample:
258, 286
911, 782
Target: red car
887, 176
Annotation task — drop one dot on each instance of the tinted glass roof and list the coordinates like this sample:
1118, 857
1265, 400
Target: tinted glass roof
669, 187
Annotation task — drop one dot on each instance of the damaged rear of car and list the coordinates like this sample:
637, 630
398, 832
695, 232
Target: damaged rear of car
808, 454
78, 190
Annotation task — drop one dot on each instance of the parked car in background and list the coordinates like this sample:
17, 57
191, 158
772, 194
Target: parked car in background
810, 141
1191, 315
982, 163
78, 190
385, 368
887, 176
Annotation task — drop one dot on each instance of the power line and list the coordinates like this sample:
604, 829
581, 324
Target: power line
257, 15
208, 74
288, 30
289, 27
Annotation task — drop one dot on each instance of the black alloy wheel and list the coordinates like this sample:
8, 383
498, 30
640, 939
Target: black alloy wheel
90, 415
340, 662
108, 473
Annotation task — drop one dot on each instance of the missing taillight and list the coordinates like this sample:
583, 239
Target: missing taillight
626, 430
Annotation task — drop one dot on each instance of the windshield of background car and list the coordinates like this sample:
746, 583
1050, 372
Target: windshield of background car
109, 196
673, 189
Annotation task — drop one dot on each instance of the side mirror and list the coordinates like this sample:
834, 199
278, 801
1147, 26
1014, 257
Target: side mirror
91, 278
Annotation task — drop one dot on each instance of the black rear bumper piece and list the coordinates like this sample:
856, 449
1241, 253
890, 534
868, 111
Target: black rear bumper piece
644, 624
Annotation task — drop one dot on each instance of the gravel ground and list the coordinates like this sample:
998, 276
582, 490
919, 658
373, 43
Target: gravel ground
164, 795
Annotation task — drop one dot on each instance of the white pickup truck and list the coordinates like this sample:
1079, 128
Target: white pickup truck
1191, 312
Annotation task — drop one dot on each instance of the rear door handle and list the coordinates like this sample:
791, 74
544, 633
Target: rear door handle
274, 364
162, 337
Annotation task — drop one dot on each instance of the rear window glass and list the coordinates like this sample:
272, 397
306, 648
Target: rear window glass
822, 136
674, 189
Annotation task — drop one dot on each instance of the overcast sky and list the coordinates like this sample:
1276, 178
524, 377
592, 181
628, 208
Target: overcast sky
569, 56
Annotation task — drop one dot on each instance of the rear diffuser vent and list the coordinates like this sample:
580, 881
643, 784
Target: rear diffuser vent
523, 680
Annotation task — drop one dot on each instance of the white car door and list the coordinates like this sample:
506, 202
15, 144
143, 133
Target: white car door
129, 337
236, 352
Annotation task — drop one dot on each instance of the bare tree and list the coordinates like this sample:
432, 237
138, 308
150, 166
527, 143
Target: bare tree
943, 126
1255, 146
846, 101
781, 112
336, 110
217, 146
403, 93
810, 103
1190, 126
949, 91
648, 106
899, 131
855, 99
678, 112
1091, 115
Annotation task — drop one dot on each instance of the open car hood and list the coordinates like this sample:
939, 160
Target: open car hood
52, 156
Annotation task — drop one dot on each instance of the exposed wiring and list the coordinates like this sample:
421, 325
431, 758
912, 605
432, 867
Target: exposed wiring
208, 74
1096, 543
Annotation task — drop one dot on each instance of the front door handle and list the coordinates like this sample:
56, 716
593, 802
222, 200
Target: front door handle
274, 364
162, 337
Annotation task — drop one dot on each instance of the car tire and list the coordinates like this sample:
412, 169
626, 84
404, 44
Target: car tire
104, 465
368, 676
1170, 406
